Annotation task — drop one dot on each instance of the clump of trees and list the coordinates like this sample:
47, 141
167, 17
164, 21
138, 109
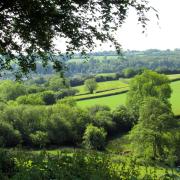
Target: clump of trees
151, 137
63, 123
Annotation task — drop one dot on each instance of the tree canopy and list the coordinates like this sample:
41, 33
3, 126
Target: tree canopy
148, 84
28, 28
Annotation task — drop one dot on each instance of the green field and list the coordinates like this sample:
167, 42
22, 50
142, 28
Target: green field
103, 86
116, 84
173, 76
175, 97
114, 101
111, 101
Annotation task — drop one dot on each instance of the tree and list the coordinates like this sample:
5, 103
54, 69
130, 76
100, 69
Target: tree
9, 137
57, 83
155, 121
10, 90
123, 119
28, 28
148, 84
129, 72
90, 85
94, 138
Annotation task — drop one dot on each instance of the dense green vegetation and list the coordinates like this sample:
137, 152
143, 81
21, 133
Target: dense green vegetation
43, 113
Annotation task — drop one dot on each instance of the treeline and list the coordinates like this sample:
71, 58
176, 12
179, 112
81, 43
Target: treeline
162, 61
167, 62
61, 124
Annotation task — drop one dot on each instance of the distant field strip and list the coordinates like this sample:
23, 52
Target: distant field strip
103, 86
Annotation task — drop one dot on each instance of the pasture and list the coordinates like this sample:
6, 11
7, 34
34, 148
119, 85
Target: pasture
104, 86
120, 99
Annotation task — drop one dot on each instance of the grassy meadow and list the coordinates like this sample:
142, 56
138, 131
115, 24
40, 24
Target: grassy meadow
104, 86
119, 85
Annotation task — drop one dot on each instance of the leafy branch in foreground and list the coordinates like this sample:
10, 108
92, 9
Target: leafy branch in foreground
28, 28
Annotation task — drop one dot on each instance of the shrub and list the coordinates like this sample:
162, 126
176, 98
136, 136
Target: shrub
123, 119
48, 97
39, 139
96, 108
66, 92
59, 129
104, 119
32, 99
9, 137
94, 138
26, 119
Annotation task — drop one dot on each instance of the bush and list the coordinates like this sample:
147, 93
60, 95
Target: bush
65, 92
59, 129
94, 138
32, 99
9, 137
26, 119
104, 119
96, 108
39, 139
48, 97
123, 119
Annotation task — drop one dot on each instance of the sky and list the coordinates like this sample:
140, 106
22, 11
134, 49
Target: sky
160, 34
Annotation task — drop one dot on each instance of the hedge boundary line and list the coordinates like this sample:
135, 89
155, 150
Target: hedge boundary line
174, 80
102, 95
115, 93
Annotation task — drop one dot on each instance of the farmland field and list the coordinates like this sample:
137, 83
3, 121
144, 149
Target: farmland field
114, 101
103, 86
175, 98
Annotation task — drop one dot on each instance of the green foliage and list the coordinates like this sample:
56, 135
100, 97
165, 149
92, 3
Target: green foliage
104, 119
48, 97
31, 99
10, 90
9, 137
148, 137
59, 130
129, 72
25, 119
90, 85
57, 83
109, 62
123, 119
65, 20
94, 138
96, 108
148, 84
39, 139
75, 165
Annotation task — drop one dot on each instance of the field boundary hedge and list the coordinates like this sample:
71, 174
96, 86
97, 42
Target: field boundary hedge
111, 94
103, 95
